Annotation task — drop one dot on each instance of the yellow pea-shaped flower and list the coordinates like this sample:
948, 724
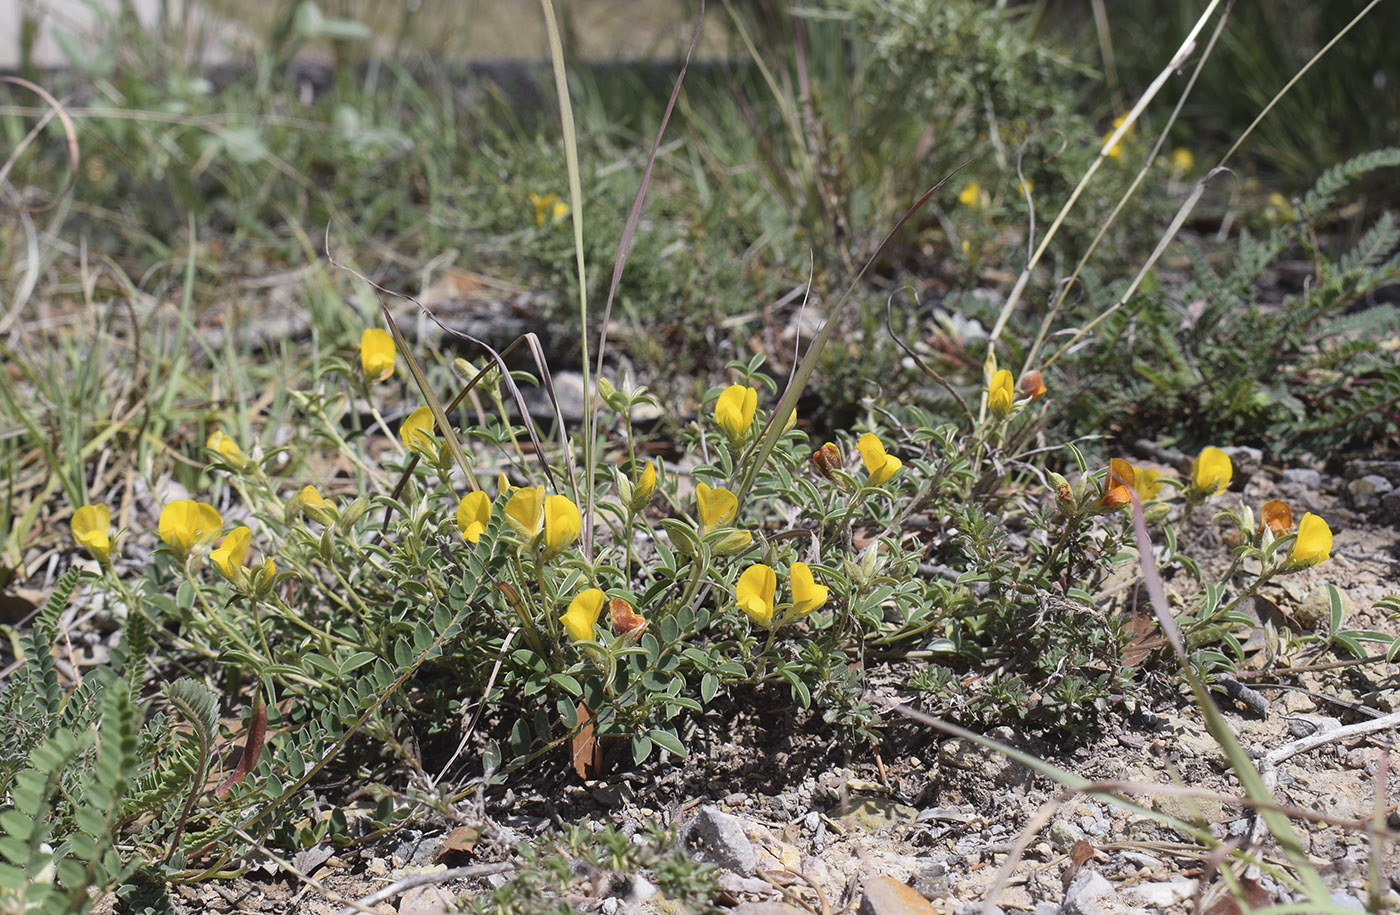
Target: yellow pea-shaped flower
228, 449
473, 514
734, 411
807, 595
880, 466
1313, 543
1001, 392
1148, 482
562, 524
525, 511
417, 429
583, 613
754, 593
90, 525
377, 353
645, 486
186, 523
1211, 472
232, 553
717, 507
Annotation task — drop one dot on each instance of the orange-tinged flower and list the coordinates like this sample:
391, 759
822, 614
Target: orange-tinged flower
186, 523
1276, 516
880, 466
473, 514
1313, 544
734, 411
89, 525
417, 429
826, 459
1032, 384
525, 511
562, 524
377, 353
754, 593
1001, 392
625, 620
717, 507
583, 613
1118, 485
1211, 472
807, 595
232, 553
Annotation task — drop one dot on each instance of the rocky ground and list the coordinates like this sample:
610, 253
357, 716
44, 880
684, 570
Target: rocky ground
932, 824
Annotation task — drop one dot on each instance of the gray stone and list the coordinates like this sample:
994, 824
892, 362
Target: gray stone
1390, 470
1245, 460
1063, 835
1368, 491
1162, 895
1089, 894
1317, 607
1390, 506
427, 900
715, 837
1347, 901
1305, 477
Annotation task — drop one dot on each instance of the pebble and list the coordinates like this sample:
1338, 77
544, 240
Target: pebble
1303, 476
1368, 491
1089, 894
1163, 895
887, 896
427, 900
766, 908
716, 837
1063, 835
1317, 607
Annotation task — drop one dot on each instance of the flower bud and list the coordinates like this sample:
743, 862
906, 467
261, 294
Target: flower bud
826, 459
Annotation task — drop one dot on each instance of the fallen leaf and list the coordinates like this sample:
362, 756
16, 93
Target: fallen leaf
584, 748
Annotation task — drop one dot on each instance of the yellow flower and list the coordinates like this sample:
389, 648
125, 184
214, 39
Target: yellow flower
717, 507
807, 595
1148, 482
473, 514
1211, 472
582, 614
1278, 208
227, 449
89, 527
377, 353
186, 523
562, 524
525, 511
881, 466
310, 498
646, 485
548, 208
1277, 517
971, 195
232, 553
1313, 544
734, 411
754, 593
1001, 392
1116, 150
418, 429
1182, 161
503, 485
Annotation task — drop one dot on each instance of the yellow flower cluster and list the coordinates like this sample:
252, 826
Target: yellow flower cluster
757, 588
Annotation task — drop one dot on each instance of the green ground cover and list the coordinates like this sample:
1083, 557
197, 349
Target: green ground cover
829, 426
